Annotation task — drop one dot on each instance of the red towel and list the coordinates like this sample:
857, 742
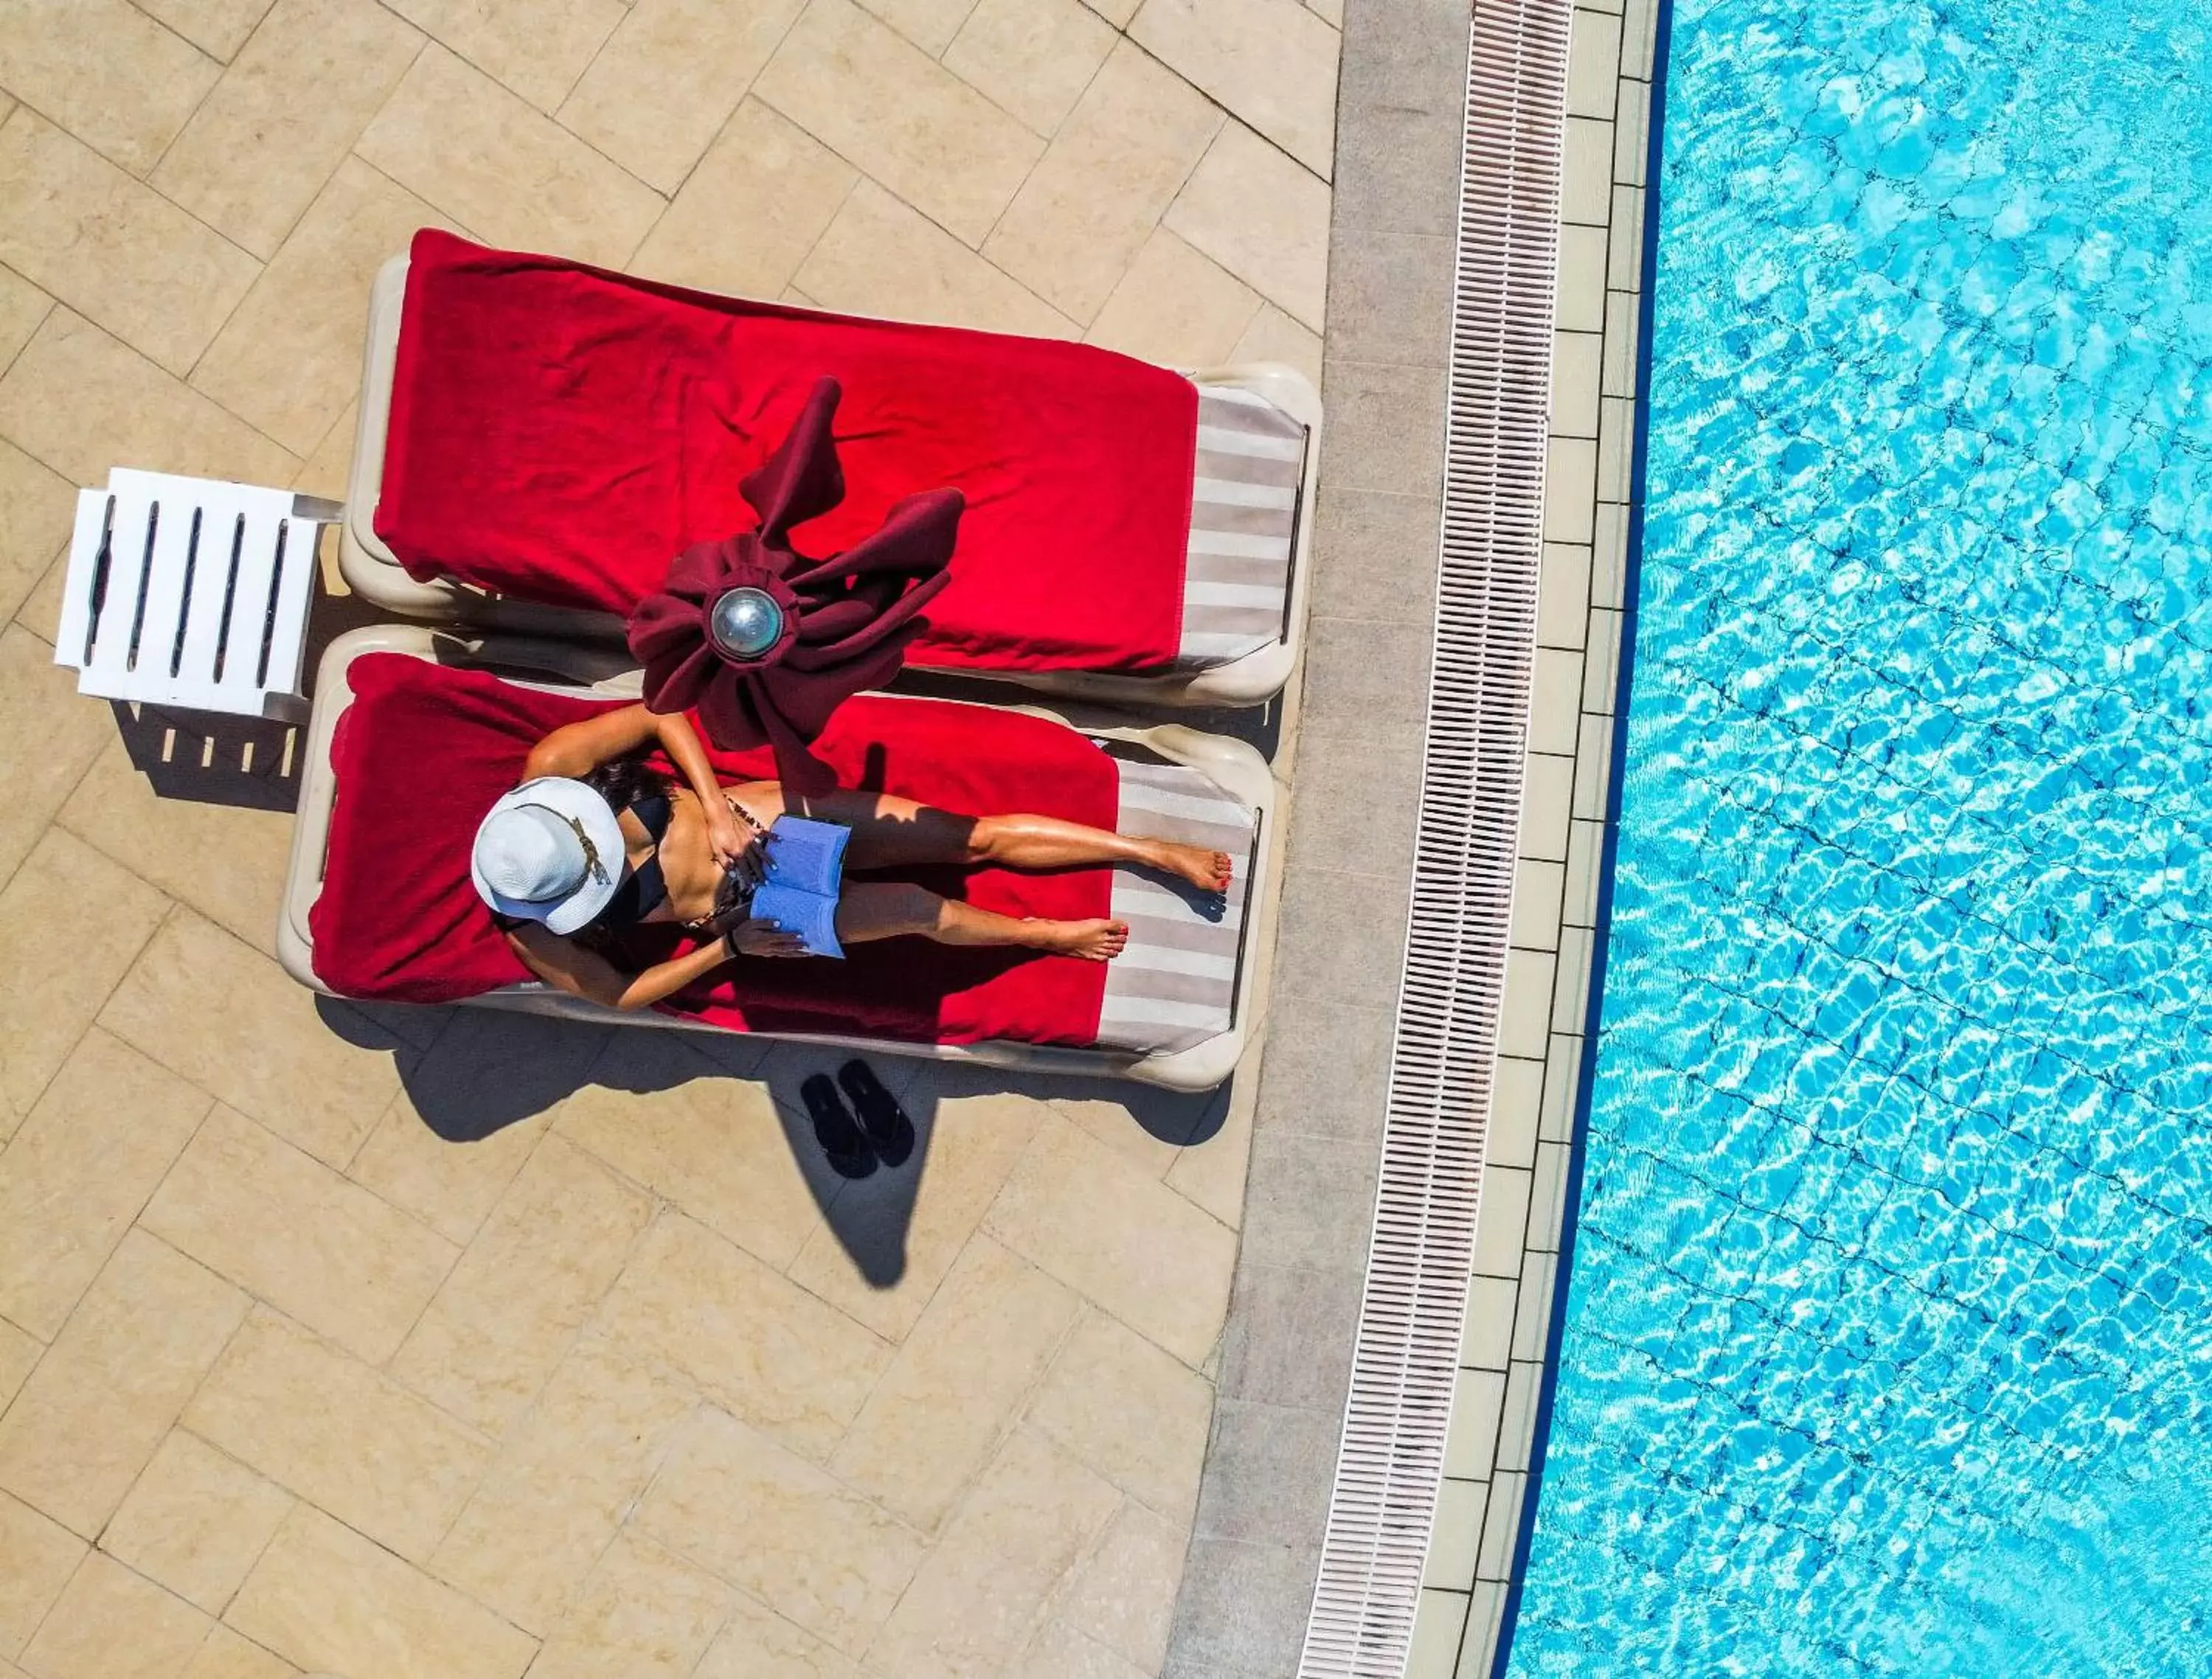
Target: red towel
561, 434
424, 750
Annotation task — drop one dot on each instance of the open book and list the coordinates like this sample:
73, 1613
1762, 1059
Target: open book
806, 861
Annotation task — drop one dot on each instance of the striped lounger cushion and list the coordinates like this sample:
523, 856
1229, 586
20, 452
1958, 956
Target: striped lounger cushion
1244, 525
1176, 984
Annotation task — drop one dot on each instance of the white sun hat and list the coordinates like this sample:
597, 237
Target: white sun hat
550, 850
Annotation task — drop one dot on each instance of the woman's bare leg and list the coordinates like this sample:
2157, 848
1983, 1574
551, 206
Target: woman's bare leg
888, 909
891, 833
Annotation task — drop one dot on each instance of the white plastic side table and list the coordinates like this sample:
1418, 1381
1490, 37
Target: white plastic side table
191, 592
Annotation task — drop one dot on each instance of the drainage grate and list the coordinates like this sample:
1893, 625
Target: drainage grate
1392, 1457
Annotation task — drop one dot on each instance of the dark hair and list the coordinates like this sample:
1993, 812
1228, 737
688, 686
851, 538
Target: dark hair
622, 781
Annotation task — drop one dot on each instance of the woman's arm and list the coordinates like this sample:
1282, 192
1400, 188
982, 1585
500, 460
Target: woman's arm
575, 749
731, 841
563, 962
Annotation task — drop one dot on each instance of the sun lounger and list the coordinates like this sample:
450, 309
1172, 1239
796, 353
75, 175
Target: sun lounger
539, 438
414, 731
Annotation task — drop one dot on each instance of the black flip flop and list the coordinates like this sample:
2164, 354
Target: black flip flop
841, 1140
881, 1117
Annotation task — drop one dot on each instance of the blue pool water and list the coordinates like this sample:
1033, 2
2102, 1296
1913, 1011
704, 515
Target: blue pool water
1888, 1342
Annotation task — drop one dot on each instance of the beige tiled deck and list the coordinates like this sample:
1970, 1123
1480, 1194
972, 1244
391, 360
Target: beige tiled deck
626, 1385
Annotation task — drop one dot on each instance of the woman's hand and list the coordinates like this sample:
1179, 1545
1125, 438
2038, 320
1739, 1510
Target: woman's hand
735, 846
765, 938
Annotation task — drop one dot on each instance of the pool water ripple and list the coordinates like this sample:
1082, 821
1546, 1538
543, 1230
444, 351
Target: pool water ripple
1888, 1340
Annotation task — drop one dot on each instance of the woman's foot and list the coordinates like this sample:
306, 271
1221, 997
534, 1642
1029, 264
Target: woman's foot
1091, 940
1209, 871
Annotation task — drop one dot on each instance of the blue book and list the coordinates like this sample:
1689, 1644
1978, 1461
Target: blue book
806, 861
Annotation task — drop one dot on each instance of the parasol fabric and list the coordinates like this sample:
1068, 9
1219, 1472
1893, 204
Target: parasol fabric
837, 625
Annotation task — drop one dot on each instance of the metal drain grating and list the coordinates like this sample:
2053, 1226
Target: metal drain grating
1391, 1459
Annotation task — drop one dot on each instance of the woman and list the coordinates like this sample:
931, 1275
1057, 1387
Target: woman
595, 841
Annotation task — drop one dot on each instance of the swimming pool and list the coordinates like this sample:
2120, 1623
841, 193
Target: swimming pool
1888, 1345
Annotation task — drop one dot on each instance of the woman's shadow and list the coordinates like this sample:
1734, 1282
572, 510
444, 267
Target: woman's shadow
472, 1072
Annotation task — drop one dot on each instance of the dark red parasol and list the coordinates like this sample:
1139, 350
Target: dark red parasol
763, 643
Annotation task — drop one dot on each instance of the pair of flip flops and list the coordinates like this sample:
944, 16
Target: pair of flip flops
874, 1131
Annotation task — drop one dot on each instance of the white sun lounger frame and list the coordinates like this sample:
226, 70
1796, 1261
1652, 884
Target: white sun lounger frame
567, 667
372, 570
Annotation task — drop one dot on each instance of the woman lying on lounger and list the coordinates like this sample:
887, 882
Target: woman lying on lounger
596, 841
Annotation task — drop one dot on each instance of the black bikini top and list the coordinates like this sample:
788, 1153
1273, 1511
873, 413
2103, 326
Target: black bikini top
643, 890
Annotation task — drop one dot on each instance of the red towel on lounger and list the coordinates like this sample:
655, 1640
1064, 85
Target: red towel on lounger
424, 750
560, 433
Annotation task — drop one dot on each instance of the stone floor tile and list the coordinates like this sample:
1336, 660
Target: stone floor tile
1640, 36
1210, 1173
235, 1023
1116, 12
1342, 935
1127, 1410
41, 610
1501, 1523
106, 72
1033, 57
1586, 189
926, 135
1581, 303
226, 860
1563, 1059
1377, 559
1439, 1625
111, 247
37, 507
1487, 1328
767, 1350
1570, 490
1547, 797
931, 25
260, 148
1471, 1438
658, 1111
1311, 1200
512, 1305
1033, 1514
108, 913
1274, 336
894, 1239
564, 1480
1555, 702
1261, 216
341, 1435
1617, 378
1455, 1535
1537, 889
328, 473
1271, 62
1574, 373
78, 1171
1123, 1240
1327, 1065
19, 1356
669, 75
290, 1231
1593, 64
196, 1521
1632, 134
81, 402
1563, 595
1059, 1652
111, 1622
1516, 1103
1532, 1305
289, 359
1386, 428
114, 1381
539, 48
1501, 1221
506, 172
1571, 989
770, 1522
1392, 297
329, 1600
1176, 308
970, 1360
756, 1643
227, 1655
1290, 1335
22, 306
1101, 186
451, 1185
880, 256
751, 211
642, 1614
1123, 1594
1230, 1616
1272, 1467
217, 27
37, 1557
